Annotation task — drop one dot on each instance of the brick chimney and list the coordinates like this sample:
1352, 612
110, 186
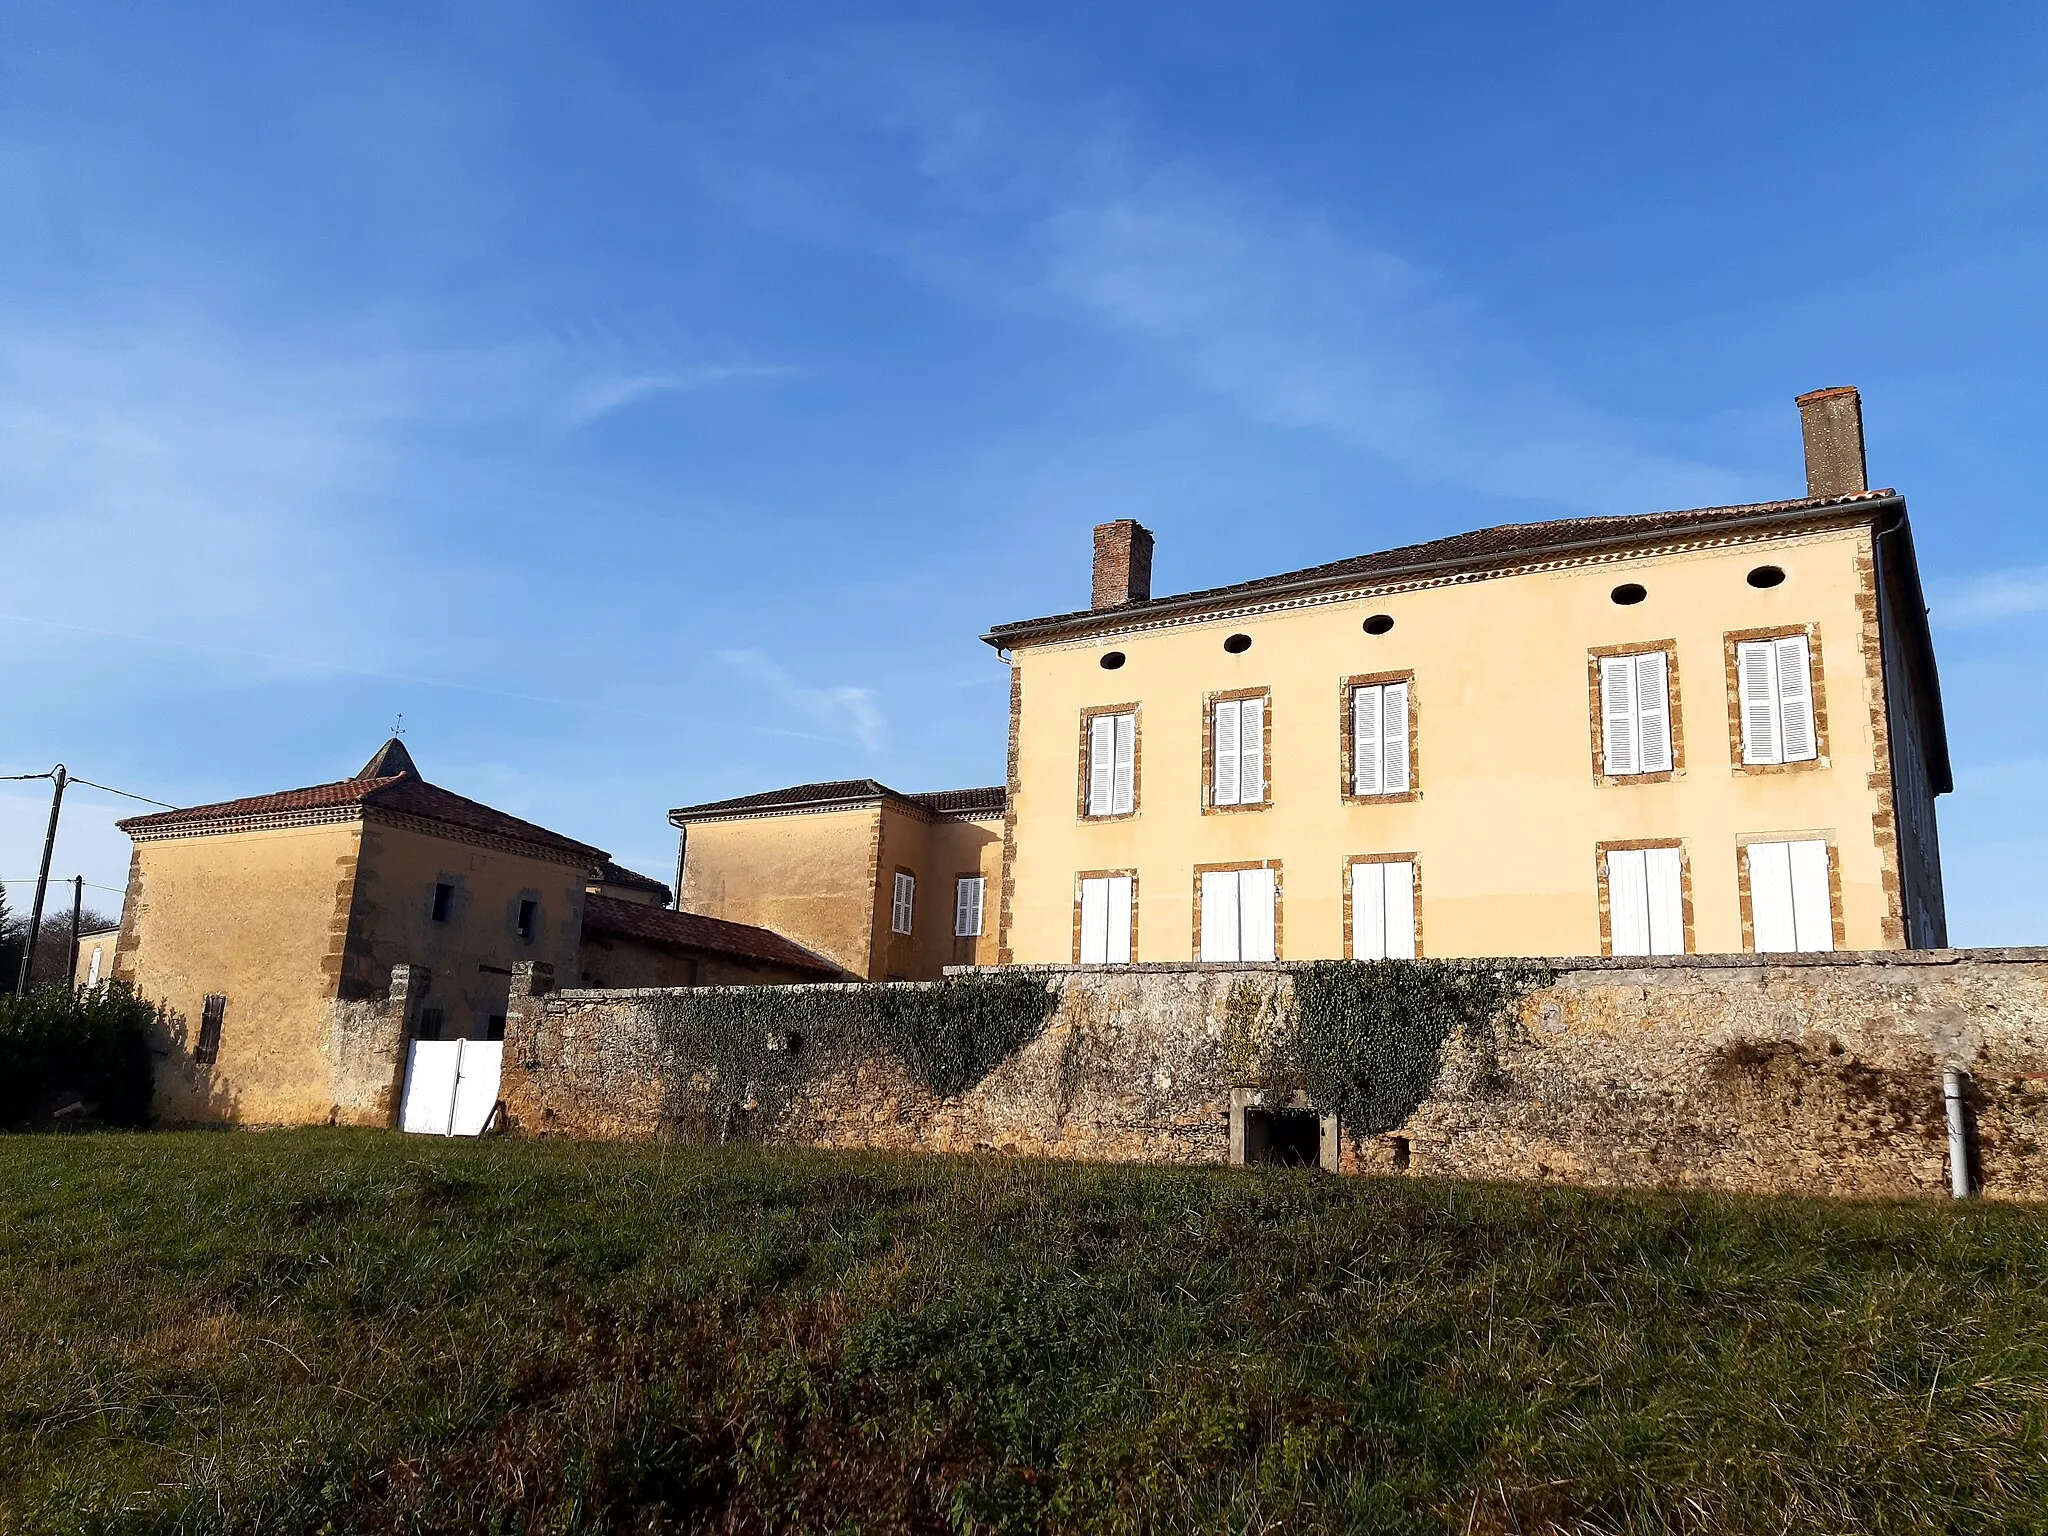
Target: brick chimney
1123, 564
1832, 421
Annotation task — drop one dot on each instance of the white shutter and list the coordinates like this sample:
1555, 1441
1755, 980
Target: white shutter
967, 906
1795, 700
1101, 764
905, 904
1618, 714
1813, 906
1653, 714
1770, 896
1394, 732
1368, 911
1223, 750
93, 980
1665, 889
1255, 914
1400, 910
1756, 672
1219, 915
1251, 782
1365, 741
1628, 901
1123, 795
1117, 941
1094, 922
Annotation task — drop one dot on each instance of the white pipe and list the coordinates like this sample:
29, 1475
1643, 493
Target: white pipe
1952, 1079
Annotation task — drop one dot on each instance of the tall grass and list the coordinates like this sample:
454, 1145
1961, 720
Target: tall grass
356, 1332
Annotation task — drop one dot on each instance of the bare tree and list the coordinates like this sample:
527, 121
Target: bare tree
53, 948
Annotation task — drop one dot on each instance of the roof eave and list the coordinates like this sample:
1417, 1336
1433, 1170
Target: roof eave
1007, 636
690, 815
686, 815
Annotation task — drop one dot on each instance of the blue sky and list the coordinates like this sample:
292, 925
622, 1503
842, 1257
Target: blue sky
655, 403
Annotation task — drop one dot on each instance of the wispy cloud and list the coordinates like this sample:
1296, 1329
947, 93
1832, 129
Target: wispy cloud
266, 476
841, 708
600, 397
1303, 318
1308, 325
1991, 597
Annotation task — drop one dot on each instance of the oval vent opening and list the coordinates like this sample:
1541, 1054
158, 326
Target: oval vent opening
1379, 624
1628, 594
1237, 645
1111, 660
1766, 576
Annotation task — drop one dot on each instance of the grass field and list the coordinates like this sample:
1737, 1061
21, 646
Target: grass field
353, 1331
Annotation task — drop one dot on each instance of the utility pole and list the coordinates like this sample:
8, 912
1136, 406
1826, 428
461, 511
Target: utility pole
35, 916
77, 903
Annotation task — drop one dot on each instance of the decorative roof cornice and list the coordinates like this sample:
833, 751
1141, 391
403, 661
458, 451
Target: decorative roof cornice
1529, 550
846, 795
260, 821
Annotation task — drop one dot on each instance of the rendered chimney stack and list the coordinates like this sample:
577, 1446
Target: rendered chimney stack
1123, 564
1832, 421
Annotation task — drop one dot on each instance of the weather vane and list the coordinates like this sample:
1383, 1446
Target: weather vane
399, 728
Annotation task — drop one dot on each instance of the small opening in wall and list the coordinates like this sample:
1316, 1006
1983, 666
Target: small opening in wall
1111, 660
529, 915
1237, 645
1766, 576
444, 898
1628, 594
1400, 1153
207, 1051
1379, 624
1282, 1138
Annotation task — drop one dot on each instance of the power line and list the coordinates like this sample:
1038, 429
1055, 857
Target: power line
124, 793
90, 885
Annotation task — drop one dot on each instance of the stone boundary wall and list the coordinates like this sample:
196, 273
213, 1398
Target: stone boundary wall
1799, 1074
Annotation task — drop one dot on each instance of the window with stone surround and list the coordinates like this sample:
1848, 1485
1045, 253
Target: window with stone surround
1379, 736
1777, 705
1235, 742
1109, 781
1104, 919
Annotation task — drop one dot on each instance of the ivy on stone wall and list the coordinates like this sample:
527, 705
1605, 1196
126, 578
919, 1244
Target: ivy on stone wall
743, 1054
1365, 1038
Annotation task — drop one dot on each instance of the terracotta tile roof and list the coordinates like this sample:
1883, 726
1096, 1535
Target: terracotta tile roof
1475, 551
403, 793
964, 802
836, 793
689, 930
608, 873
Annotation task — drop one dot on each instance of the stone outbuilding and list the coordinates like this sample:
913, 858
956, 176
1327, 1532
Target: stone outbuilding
273, 927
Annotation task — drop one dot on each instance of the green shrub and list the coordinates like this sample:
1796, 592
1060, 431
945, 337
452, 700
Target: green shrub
93, 1042
1368, 1036
747, 1050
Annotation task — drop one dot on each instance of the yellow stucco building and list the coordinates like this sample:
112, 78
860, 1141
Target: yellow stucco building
1676, 732
891, 886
